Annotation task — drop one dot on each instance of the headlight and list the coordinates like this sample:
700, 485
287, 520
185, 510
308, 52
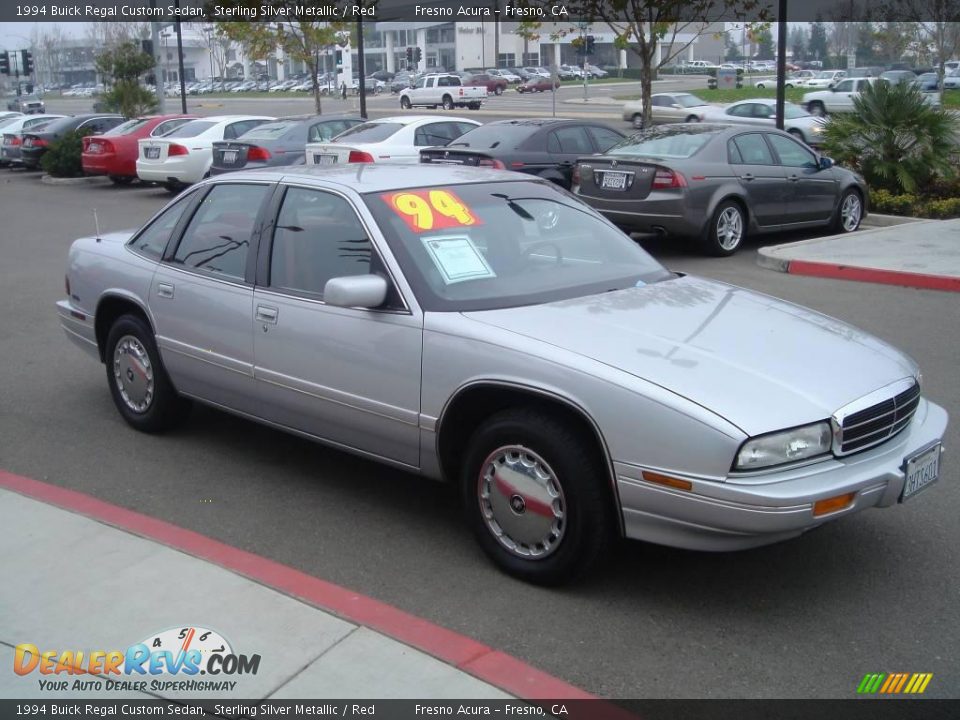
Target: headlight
784, 447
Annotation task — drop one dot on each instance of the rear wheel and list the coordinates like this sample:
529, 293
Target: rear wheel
474, 106
726, 230
498, 90
447, 102
535, 497
692, 118
172, 187
405, 103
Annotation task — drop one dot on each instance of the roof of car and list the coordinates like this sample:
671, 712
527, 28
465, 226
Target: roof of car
377, 177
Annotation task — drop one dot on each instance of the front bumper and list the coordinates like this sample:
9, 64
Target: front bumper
750, 511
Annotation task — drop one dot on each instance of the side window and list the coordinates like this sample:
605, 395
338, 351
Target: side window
745, 110
462, 128
235, 130
422, 83
442, 133
324, 131
763, 111
753, 149
218, 236
792, 153
166, 126
734, 157
573, 140
318, 237
605, 138
845, 86
152, 241
660, 101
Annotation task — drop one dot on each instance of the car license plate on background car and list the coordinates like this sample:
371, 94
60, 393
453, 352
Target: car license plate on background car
921, 470
614, 181
28, 142
151, 153
230, 156
324, 159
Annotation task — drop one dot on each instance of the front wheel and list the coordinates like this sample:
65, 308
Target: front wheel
638, 121
535, 497
498, 90
849, 212
474, 106
726, 230
141, 389
692, 119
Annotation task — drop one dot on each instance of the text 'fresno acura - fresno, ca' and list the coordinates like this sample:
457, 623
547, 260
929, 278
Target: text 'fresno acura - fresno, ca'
486, 328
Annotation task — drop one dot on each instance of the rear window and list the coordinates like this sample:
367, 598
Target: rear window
191, 129
269, 131
495, 135
61, 125
667, 142
128, 127
369, 132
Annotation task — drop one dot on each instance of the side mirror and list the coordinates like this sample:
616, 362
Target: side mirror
357, 291
825, 163
677, 106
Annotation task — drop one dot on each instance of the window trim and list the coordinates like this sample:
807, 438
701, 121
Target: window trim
265, 251
255, 235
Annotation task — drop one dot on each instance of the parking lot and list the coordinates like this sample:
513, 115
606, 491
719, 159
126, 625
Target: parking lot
806, 618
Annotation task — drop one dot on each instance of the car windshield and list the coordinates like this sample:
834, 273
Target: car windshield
664, 142
128, 127
9, 121
191, 129
269, 131
688, 101
495, 245
369, 132
825, 75
55, 126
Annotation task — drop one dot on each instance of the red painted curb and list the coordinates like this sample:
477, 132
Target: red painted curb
884, 277
492, 666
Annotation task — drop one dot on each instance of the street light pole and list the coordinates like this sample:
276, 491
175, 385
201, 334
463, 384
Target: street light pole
183, 85
781, 62
362, 70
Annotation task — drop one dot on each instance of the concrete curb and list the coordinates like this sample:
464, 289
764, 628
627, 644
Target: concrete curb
879, 220
85, 180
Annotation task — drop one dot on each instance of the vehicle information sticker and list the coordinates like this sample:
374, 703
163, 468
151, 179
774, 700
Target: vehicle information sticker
435, 209
457, 258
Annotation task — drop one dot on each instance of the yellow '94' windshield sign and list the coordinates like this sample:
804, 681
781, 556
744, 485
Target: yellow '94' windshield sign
425, 210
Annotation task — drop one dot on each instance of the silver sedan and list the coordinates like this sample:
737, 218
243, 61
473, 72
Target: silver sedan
763, 111
488, 329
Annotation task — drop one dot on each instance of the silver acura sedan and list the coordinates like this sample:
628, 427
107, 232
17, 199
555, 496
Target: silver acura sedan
486, 328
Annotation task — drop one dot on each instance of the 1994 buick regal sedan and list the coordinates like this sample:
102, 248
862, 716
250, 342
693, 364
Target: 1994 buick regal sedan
486, 328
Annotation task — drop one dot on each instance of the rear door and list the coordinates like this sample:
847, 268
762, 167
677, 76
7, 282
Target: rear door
564, 146
762, 179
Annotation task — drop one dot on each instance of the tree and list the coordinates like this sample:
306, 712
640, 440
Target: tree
865, 46
219, 45
764, 39
733, 51
817, 46
798, 43
893, 39
650, 29
124, 64
939, 22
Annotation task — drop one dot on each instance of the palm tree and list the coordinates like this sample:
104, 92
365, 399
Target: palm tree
894, 137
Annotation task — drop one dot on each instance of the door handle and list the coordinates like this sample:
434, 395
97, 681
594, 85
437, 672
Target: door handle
747, 177
267, 314
793, 178
165, 290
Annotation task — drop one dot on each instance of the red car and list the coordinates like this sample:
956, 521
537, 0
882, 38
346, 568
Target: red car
114, 153
494, 85
538, 83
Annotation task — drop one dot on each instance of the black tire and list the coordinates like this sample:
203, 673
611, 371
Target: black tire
840, 223
637, 121
498, 90
121, 179
474, 106
447, 102
162, 408
793, 132
172, 187
583, 532
712, 242
405, 102
817, 108
692, 119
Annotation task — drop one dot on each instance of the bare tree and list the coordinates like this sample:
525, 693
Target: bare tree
939, 25
219, 45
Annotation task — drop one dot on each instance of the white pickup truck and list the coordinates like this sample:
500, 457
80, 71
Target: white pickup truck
840, 97
445, 91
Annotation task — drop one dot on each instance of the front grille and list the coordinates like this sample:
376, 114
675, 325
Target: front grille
861, 429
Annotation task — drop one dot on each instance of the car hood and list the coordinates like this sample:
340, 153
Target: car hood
761, 363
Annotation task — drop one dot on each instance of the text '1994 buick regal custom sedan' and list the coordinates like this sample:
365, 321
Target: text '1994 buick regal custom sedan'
486, 328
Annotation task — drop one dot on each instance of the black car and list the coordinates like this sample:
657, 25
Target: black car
548, 147
280, 142
35, 144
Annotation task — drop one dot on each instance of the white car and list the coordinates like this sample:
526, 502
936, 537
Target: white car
825, 79
951, 80
763, 111
389, 140
797, 79
185, 155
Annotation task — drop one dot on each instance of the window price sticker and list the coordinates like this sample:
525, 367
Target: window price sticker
426, 210
457, 258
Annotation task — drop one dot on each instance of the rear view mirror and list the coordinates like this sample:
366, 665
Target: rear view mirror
359, 291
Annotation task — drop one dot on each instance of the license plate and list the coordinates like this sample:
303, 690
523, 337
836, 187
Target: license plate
28, 142
319, 159
614, 181
229, 156
93, 148
151, 153
921, 470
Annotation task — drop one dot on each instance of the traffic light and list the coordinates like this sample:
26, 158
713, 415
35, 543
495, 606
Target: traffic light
26, 64
409, 54
418, 54
147, 47
590, 41
4, 63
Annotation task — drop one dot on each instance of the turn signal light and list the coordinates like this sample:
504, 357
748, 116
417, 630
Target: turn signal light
840, 502
358, 156
258, 153
665, 179
673, 482
176, 149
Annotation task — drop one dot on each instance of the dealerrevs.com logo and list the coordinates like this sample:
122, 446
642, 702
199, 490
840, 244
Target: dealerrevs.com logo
171, 660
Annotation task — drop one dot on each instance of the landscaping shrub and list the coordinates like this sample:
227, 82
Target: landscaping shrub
946, 208
62, 159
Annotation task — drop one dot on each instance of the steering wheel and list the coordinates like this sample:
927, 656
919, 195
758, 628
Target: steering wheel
545, 243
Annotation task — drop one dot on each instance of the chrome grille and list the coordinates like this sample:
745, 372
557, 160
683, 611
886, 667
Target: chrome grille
876, 417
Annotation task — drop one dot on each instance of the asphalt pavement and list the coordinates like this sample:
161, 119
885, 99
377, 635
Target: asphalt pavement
806, 618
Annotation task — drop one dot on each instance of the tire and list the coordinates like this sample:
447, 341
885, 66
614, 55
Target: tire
498, 90
637, 121
121, 179
474, 106
172, 187
726, 231
139, 384
817, 108
692, 119
570, 488
849, 212
405, 102
447, 102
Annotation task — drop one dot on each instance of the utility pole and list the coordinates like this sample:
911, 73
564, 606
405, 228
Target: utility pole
361, 69
183, 85
781, 62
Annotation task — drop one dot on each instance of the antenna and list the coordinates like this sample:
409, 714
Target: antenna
96, 224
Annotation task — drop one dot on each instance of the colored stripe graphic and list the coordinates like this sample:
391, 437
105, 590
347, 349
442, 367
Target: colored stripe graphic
894, 683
